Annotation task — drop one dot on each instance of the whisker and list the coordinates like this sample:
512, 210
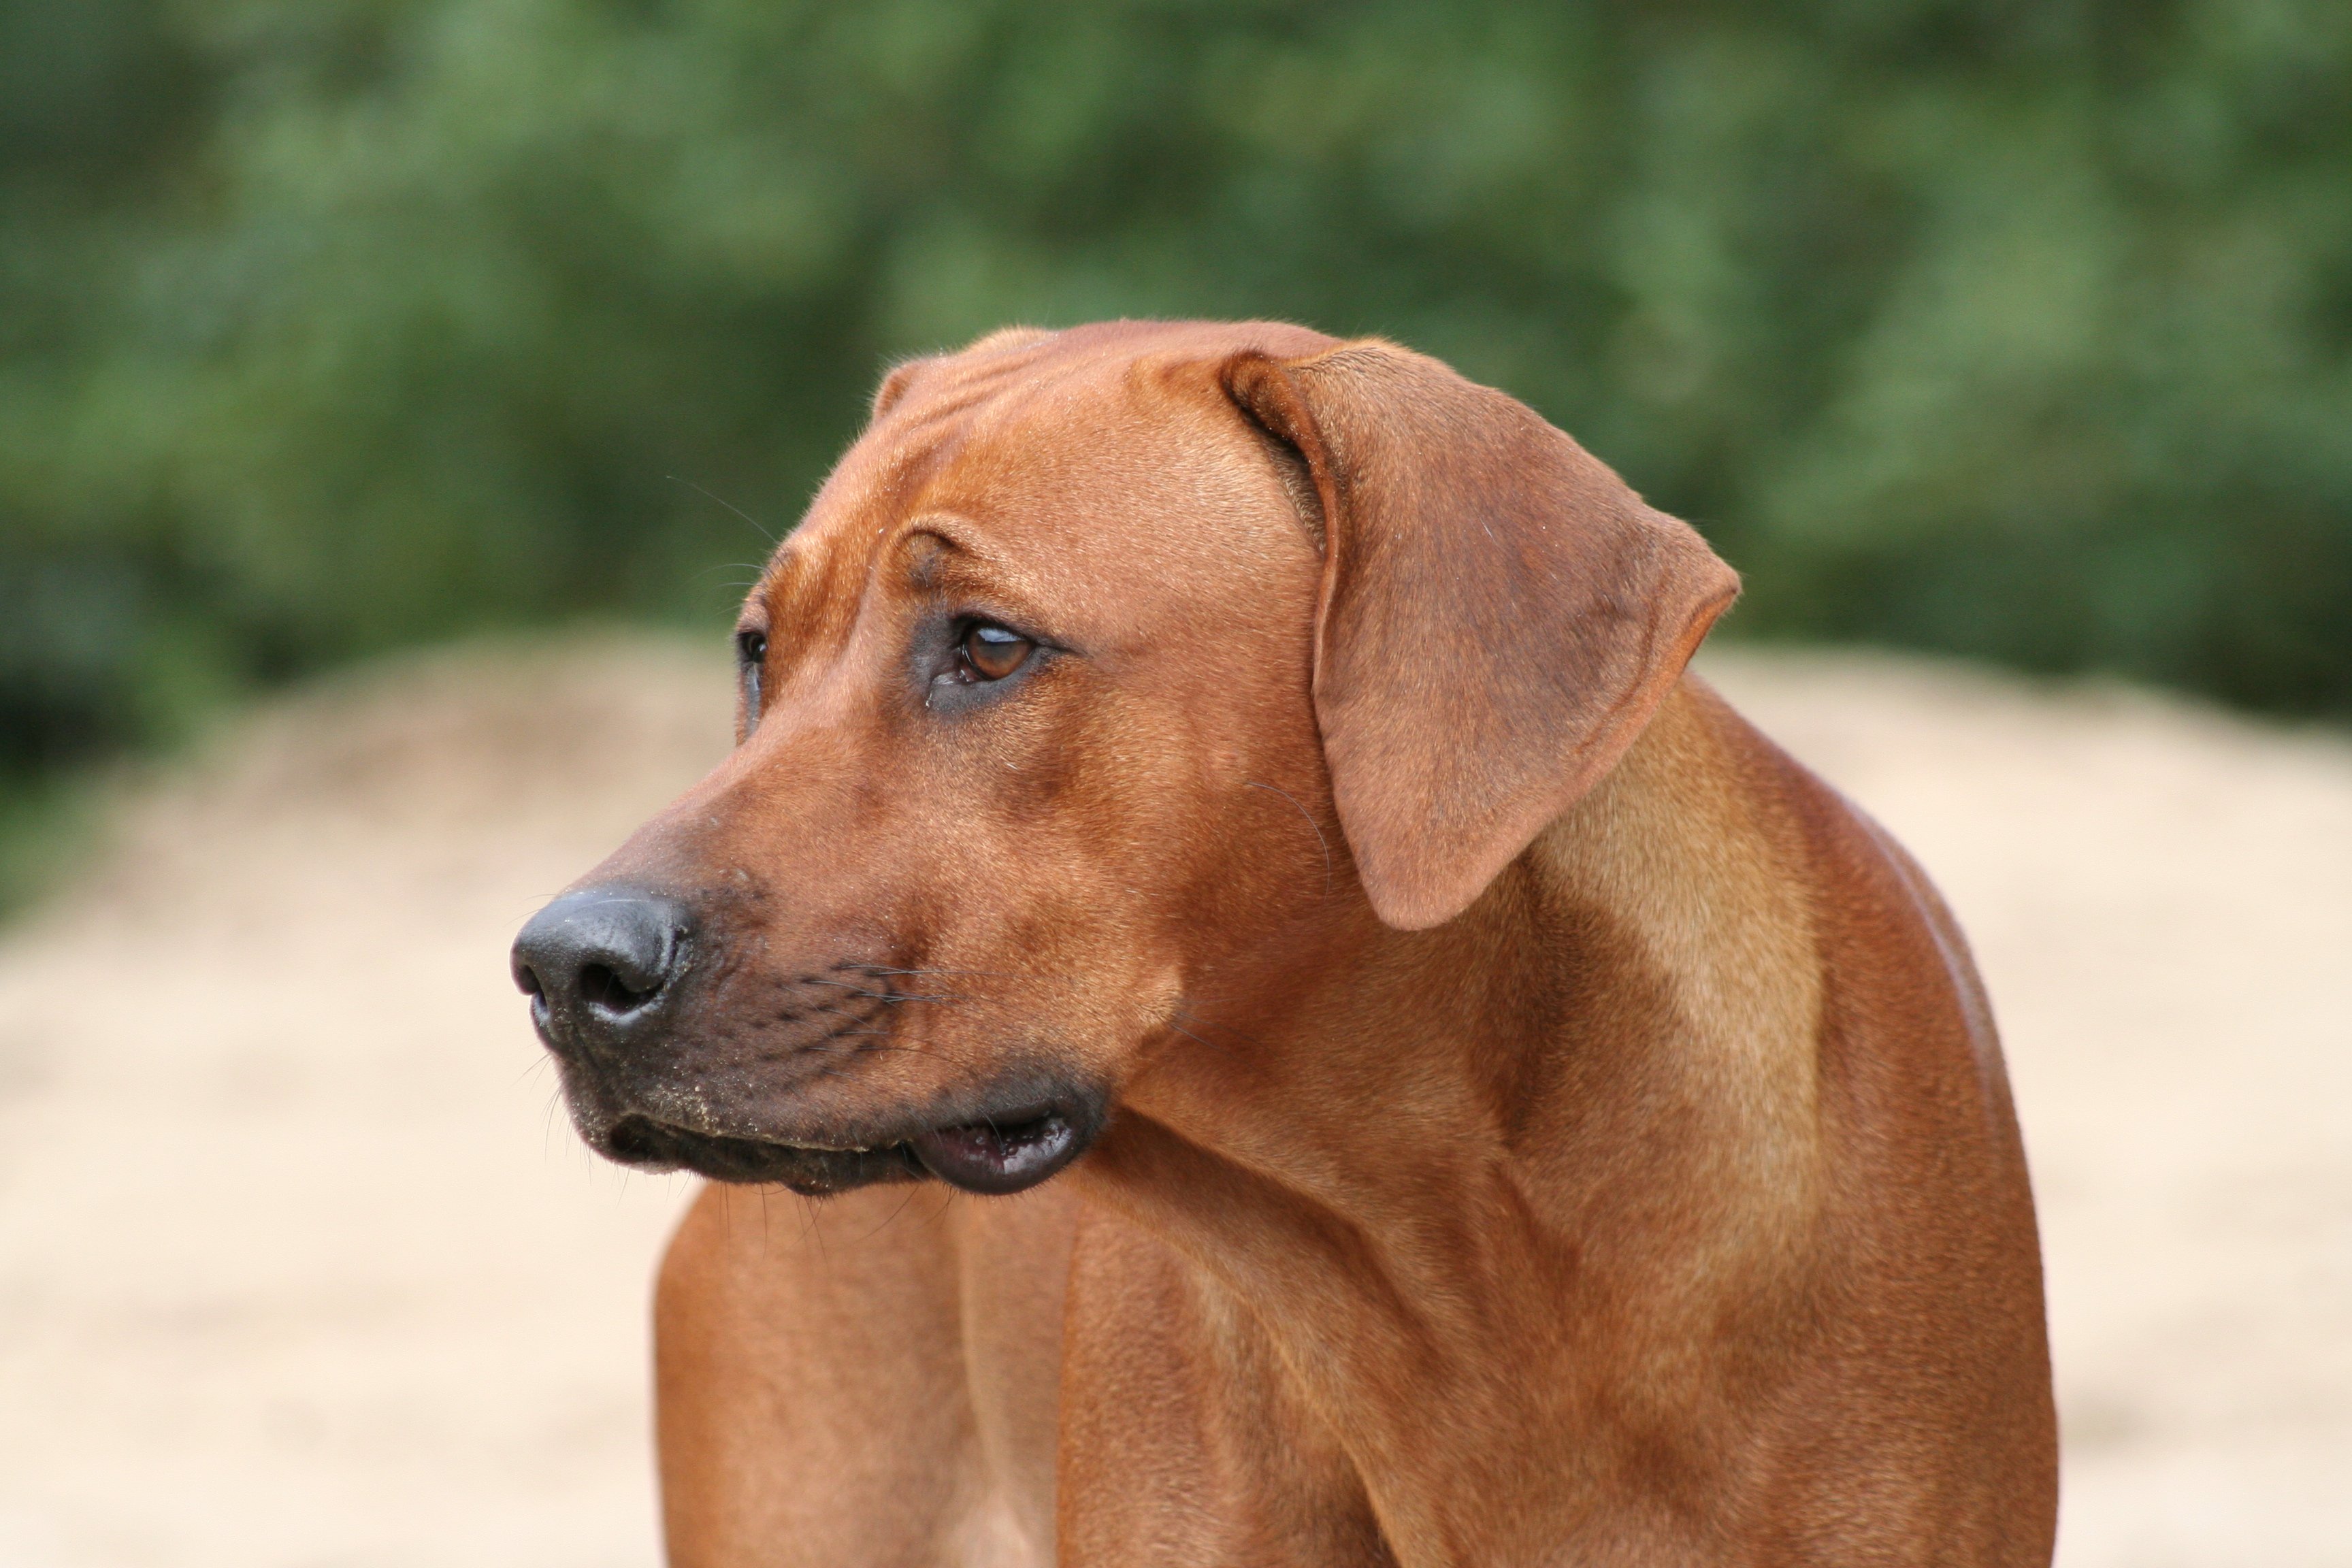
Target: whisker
1208, 1023
818, 1047
729, 505
880, 995
892, 1218
812, 1220
864, 1018
1318, 826
878, 970
1225, 1050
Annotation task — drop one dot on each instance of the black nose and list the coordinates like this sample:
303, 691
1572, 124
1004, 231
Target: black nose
597, 962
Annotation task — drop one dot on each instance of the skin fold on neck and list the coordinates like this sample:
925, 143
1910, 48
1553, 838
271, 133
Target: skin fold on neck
1579, 1122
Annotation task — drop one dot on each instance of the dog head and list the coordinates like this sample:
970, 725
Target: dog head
1109, 665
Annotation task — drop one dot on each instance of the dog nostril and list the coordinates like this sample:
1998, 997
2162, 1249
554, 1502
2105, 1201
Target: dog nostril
602, 987
601, 960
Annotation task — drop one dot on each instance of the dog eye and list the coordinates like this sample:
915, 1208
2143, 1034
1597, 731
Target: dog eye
751, 654
991, 653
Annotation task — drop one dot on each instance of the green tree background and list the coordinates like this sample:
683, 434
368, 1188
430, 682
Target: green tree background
2019, 328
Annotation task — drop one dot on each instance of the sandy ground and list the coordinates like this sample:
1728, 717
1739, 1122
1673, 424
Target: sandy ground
300, 1267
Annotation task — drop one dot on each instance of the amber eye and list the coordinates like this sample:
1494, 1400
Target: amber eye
991, 653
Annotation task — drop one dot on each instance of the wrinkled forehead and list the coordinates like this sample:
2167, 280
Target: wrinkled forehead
1096, 471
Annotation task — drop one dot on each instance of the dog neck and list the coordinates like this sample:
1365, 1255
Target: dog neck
1500, 1183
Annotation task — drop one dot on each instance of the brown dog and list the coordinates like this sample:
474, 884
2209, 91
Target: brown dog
1525, 1118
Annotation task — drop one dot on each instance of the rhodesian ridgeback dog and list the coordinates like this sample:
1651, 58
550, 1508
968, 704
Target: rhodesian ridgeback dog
1470, 1098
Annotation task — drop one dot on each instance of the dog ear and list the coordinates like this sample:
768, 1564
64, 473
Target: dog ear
1499, 615
902, 375
894, 385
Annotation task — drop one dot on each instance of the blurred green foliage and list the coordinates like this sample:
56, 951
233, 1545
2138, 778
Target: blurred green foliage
2014, 328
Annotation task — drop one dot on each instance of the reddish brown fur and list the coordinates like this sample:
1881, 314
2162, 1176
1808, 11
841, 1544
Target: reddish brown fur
1551, 1127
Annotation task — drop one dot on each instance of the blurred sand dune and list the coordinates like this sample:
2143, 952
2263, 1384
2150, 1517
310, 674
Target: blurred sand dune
300, 1266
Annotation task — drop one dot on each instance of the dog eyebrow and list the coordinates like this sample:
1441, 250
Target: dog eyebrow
934, 550
802, 607
785, 581
948, 556
942, 529
926, 551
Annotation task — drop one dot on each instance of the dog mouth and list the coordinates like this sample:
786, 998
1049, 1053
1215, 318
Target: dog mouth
648, 1144
1001, 1152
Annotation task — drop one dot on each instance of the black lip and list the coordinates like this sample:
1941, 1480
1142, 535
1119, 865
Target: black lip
1009, 1153
643, 1142
1013, 1142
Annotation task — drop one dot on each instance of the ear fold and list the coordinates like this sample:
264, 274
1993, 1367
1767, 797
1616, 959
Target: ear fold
1500, 613
902, 375
895, 384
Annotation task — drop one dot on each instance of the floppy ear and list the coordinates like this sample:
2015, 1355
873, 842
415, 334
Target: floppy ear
1500, 614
